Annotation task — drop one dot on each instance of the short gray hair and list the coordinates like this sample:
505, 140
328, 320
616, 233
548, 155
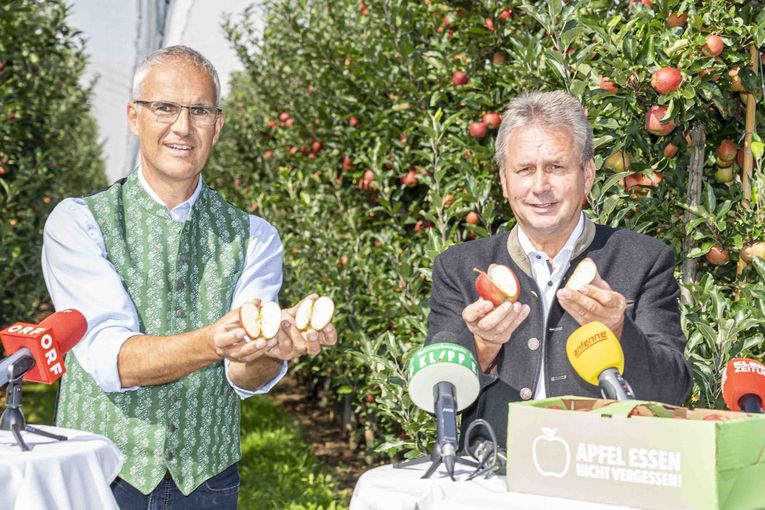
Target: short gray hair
164, 55
557, 108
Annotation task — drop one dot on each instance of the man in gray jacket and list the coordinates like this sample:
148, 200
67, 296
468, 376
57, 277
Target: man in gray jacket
545, 157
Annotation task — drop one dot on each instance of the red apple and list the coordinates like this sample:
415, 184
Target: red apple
288, 122
647, 3
726, 151
268, 154
472, 218
506, 14
640, 183
670, 150
713, 45
459, 78
676, 20
724, 175
653, 121
317, 146
446, 202
478, 129
498, 284
369, 176
498, 58
353, 122
409, 179
272, 124
740, 158
347, 163
606, 84
492, 120
666, 79
717, 255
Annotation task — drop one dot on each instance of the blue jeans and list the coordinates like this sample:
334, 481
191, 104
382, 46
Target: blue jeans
219, 492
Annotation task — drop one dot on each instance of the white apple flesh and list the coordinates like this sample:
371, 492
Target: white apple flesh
322, 313
505, 280
316, 313
249, 317
270, 319
583, 275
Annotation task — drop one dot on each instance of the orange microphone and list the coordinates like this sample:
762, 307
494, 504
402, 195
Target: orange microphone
743, 385
37, 350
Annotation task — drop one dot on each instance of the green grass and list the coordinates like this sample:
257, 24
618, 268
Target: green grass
278, 469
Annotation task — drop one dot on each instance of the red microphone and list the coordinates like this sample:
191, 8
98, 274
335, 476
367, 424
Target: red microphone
743, 385
45, 343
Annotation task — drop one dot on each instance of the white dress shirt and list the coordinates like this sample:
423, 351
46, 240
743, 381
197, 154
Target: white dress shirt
548, 275
79, 275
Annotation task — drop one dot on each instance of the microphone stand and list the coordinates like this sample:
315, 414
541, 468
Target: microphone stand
13, 419
436, 458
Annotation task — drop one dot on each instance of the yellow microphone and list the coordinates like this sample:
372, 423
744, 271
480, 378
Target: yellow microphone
597, 357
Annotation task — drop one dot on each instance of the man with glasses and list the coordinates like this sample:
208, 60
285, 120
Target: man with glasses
159, 264
546, 168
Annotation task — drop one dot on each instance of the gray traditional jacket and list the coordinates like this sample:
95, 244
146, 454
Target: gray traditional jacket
639, 267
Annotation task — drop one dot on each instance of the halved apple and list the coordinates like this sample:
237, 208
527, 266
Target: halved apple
260, 321
583, 274
498, 284
316, 313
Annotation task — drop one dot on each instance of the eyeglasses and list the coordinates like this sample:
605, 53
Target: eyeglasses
167, 112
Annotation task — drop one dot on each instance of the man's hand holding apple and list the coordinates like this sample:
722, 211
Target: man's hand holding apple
496, 314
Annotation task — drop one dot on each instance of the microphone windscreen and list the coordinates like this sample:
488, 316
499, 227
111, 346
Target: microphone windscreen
593, 348
742, 376
68, 327
443, 362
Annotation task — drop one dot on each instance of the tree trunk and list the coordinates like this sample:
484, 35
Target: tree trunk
689, 267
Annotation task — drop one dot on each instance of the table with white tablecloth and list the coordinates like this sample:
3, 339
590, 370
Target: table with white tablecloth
73, 474
386, 488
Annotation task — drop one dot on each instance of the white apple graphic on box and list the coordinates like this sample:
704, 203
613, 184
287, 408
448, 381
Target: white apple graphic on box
548, 447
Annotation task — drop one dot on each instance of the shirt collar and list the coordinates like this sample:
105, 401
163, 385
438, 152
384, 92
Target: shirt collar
181, 211
529, 249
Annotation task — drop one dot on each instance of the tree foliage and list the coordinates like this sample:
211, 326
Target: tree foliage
48, 147
351, 132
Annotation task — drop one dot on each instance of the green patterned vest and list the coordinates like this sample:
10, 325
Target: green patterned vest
180, 276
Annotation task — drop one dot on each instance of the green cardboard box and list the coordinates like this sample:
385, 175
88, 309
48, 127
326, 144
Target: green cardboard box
635, 453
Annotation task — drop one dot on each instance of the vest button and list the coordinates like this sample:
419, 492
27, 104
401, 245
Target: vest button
169, 455
180, 285
533, 344
173, 398
171, 428
180, 313
183, 257
525, 393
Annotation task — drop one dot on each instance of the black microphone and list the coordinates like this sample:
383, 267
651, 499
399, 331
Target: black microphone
446, 423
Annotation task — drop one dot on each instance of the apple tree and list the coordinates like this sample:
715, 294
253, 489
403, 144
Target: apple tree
364, 131
48, 142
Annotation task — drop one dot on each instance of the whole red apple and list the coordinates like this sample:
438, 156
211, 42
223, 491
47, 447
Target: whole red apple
606, 84
676, 20
670, 150
717, 255
506, 14
353, 122
268, 154
478, 129
666, 79
472, 218
726, 151
492, 120
459, 78
409, 179
317, 146
347, 163
653, 121
713, 45
284, 116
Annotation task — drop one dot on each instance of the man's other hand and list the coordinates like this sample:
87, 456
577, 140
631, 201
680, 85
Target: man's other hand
492, 326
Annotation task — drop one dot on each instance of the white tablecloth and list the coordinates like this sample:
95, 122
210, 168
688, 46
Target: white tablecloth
385, 488
53, 475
